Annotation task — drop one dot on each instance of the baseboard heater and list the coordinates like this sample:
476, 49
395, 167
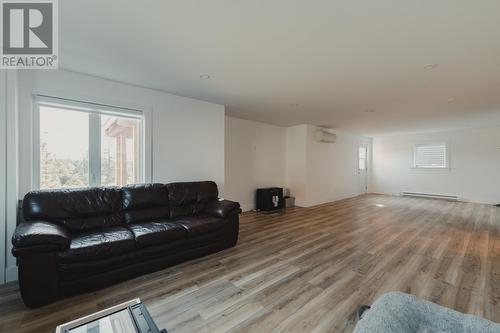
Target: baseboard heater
430, 195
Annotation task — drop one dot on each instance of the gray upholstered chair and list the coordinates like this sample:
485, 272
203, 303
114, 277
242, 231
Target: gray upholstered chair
397, 312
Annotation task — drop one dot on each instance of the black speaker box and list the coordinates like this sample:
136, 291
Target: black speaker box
269, 199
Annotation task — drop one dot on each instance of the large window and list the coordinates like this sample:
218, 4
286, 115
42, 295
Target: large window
82, 144
431, 156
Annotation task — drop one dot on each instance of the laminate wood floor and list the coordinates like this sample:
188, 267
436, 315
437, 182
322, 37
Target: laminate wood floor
309, 269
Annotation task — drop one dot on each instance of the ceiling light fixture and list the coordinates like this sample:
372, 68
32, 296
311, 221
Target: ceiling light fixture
430, 67
205, 76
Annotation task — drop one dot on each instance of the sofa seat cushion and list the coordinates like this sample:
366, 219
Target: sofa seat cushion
200, 224
156, 232
98, 244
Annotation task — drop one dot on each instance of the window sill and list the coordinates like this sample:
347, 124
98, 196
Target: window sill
442, 169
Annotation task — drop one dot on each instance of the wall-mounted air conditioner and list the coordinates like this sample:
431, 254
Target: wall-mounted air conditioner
325, 135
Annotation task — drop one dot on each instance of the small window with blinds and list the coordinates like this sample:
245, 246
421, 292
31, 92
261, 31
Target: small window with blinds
431, 156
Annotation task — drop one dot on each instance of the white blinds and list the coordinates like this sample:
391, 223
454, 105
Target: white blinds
432, 155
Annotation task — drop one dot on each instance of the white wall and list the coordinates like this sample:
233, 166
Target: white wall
255, 157
11, 168
319, 172
474, 165
296, 163
262, 155
3, 175
188, 140
332, 167
187, 135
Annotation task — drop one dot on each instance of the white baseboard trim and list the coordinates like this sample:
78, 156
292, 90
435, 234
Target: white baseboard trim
11, 274
246, 207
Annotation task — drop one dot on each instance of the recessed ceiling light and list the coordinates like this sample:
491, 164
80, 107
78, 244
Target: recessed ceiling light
430, 67
205, 76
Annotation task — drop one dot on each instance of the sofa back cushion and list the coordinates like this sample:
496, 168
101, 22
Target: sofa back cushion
191, 197
77, 209
145, 202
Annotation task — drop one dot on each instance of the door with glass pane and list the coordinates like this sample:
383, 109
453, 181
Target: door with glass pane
362, 168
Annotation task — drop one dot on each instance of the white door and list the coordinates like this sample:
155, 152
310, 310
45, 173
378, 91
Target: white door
362, 168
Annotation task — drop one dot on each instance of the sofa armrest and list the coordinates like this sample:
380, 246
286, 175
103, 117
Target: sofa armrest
222, 208
40, 235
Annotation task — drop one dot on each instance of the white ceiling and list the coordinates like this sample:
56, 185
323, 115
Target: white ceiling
333, 58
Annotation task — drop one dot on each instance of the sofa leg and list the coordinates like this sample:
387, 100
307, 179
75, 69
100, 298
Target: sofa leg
38, 279
362, 309
234, 221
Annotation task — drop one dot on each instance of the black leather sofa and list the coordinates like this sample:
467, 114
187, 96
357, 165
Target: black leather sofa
74, 240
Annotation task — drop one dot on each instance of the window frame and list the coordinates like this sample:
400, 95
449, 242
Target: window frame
427, 144
95, 110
